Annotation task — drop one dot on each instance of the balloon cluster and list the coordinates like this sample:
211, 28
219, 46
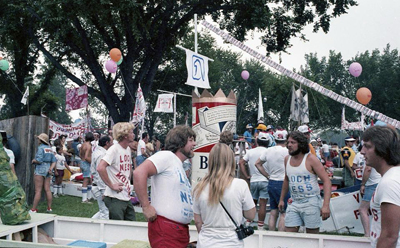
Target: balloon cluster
116, 59
4, 65
363, 94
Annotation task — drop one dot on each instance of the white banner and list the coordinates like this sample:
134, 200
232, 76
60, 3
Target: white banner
140, 107
197, 67
72, 131
25, 97
260, 114
164, 103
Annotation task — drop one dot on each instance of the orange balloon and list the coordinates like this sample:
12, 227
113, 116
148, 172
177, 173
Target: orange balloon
115, 54
364, 95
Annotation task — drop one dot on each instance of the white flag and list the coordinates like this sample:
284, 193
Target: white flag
304, 113
260, 106
164, 103
25, 97
140, 107
197, 67
294, 106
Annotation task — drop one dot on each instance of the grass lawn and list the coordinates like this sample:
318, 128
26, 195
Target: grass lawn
73, 206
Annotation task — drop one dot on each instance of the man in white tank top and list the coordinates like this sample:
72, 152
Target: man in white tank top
302, 172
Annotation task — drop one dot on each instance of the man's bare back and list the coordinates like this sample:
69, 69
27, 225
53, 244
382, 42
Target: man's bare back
85, 152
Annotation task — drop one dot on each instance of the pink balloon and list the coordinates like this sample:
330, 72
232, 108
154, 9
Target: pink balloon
355, 69
245, 75
111, 66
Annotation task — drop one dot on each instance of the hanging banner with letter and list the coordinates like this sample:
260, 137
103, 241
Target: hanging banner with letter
197, 67
211, 116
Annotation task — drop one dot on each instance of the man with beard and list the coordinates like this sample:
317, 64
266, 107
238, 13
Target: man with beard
302, 172
171, 199
307, 132
381, 149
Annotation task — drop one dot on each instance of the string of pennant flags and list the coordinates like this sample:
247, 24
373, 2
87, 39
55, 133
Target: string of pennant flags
302, 80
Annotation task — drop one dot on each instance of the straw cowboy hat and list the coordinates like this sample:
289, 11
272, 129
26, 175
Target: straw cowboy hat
43, 137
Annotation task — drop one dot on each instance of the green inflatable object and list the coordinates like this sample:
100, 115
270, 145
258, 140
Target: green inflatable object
13, 207
120, 61
4, 65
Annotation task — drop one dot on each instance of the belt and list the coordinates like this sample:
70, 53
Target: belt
93, 184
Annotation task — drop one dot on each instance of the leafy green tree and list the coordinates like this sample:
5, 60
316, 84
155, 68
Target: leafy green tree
77, 35
381, 74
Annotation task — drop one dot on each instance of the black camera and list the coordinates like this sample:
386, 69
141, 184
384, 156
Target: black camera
244, 232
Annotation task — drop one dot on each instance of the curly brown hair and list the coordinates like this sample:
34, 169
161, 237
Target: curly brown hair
178, 137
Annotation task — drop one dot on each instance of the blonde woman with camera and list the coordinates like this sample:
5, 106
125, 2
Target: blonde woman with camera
215, 227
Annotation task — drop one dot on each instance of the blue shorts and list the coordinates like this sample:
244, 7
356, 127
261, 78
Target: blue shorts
85, 167
274, 192
369, 191
42, 170
259, 190
304, 212
140, 159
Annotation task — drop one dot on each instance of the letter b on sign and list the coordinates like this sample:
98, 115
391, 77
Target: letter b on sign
203, 162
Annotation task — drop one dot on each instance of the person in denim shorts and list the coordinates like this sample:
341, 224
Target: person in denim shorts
302, 170
44, 162
258, 182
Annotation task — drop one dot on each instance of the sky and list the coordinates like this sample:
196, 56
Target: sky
370, 25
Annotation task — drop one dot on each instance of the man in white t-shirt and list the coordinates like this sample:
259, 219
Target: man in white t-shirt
274, 161
115, 170
325, 151
258, 182
369, 181
142, 154
171, 199
98, 185
381, 149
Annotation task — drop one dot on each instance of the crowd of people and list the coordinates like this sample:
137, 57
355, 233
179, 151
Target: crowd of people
268, 165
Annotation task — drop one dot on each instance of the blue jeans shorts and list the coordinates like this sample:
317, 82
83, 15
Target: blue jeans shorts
85, 167
42, 169
140, 159
259, 190
274, 192
304, 212
369, 191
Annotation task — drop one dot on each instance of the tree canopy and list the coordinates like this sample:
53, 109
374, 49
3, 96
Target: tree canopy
75, 36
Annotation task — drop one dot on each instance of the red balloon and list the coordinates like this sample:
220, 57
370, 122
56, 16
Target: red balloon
115, 54
363, 95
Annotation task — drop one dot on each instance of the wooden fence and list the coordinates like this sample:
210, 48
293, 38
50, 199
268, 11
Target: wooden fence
24, 129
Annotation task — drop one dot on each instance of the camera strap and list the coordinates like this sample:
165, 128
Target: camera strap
228, 214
